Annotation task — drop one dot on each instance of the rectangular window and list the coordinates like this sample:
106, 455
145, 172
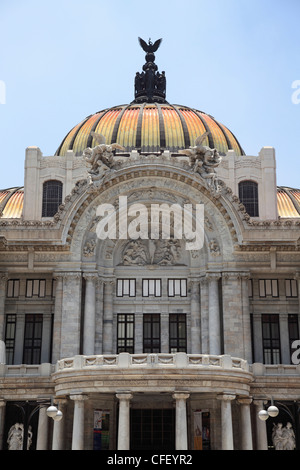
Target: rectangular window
151, 287
126, 287
293, 332
10, 333
177, 287
268, 288
33, 339
125, 333
177, 332
13, 288
271, 339
291, 289
151, 333
35, 288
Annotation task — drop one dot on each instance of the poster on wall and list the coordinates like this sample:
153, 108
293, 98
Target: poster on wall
101, 430
201, 430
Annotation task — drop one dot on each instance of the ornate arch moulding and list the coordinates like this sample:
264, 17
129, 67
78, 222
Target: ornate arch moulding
151, 171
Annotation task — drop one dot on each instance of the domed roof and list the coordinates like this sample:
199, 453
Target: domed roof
150, 127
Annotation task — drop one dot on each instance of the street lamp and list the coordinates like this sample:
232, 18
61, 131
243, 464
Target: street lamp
271, 411
52, 412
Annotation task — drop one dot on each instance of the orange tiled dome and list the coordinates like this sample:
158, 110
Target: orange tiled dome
150, 127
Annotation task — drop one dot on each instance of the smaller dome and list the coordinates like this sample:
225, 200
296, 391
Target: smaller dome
11, 202
150, 127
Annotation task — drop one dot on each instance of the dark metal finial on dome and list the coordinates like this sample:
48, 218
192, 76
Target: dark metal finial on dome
150, 85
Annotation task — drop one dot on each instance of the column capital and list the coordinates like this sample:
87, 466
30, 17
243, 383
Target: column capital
226, 397
78, 397
2, 402
124, 396
181, 395
213, 276
244, 401
91, 276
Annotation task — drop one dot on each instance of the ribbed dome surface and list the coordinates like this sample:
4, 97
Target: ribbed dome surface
150, 127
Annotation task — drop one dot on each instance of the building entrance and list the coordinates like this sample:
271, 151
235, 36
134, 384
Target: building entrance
152, 429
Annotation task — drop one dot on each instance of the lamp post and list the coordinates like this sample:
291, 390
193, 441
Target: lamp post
52, 412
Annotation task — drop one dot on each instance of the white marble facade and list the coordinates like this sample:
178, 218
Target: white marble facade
221, 368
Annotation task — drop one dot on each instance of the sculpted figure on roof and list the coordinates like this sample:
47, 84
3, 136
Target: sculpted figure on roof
100, 158
204, 161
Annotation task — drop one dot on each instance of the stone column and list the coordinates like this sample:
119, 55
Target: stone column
195, 317
214, 328
246, 430
58, 428
257, 338
124, 421
3, 281
78, 422
246, 317
226, 421
204, 309
19, 339
42, 434
108, 317
89, 324
71, 315
46, 338
261, 428
2, 421
284, 339
57, 317
181, 441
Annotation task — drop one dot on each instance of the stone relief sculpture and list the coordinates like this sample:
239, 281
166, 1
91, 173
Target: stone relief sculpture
100, 158
204, 161
144, 252
15, 437
283, 437
89, 247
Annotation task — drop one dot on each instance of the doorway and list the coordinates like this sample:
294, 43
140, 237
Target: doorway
152, 429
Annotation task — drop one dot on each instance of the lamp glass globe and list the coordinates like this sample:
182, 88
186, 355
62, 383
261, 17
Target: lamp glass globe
58, 416
51, 411
263, 415
273, 411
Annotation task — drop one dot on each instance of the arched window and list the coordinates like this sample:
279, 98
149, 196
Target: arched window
248, 194
52, 197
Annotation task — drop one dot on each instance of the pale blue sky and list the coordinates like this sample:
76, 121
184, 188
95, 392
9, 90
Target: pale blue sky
63, 60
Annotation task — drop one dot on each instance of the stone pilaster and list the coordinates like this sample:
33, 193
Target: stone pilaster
71, 315
108, 317
78, 422
195, 317
57, 317
124, 420
3, 282
226, 421
89, 313
214, 326
181, 440
236, 316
